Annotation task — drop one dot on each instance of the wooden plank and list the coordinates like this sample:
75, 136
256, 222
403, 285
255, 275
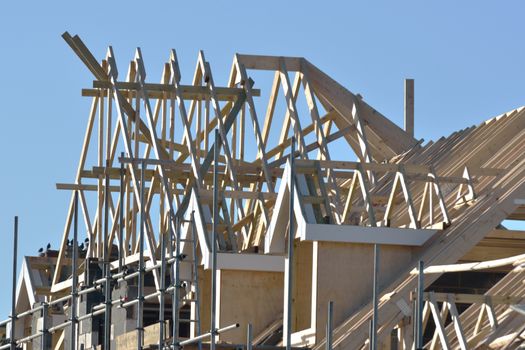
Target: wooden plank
368, 235
69, 216
462, 298
274, 92
85, 55
408, 199
391, 202
441, 198
292, 109
150, 240
184, 117
409, 106
321, 139
261, 147
479, 321
199, 92
287, 117
457, 323
250, 262
350, 197
395, 140
474, 266
260, 62
365, 191
223, 133
438, 317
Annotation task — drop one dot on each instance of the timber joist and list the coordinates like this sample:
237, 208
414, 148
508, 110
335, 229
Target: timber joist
166, 91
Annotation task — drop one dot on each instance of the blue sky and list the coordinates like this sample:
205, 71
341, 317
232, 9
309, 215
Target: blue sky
467, 58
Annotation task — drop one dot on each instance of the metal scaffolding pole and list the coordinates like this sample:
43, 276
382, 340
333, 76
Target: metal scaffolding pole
373, 335
291, 230
74, 278
121, 217
214, 238
107, 272
197, 303
175, 282
140, 305
329, 325
249, 337
206, 335
43, 340
13, 290
162, 288
419, 306
96, 311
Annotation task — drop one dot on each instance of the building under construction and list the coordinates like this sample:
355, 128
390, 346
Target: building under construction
205, 216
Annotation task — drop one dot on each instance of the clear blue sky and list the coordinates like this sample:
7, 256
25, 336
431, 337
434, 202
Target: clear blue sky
467, 58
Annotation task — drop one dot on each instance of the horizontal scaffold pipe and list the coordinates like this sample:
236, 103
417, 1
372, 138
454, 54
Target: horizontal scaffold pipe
99, 310
122, 276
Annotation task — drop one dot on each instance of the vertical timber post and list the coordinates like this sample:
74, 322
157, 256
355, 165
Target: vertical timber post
409, 106
13, 290
289, 266
214, 238
140, 305
74, 278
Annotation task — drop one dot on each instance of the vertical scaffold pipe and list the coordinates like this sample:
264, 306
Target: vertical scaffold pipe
43, 340
107, 271
13, 290
162, 288
121, 216
175, 283
419, 306
74, 278
249, 336
373, 336
140, 305
197, 304
214, 238
329, 325
291, 231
